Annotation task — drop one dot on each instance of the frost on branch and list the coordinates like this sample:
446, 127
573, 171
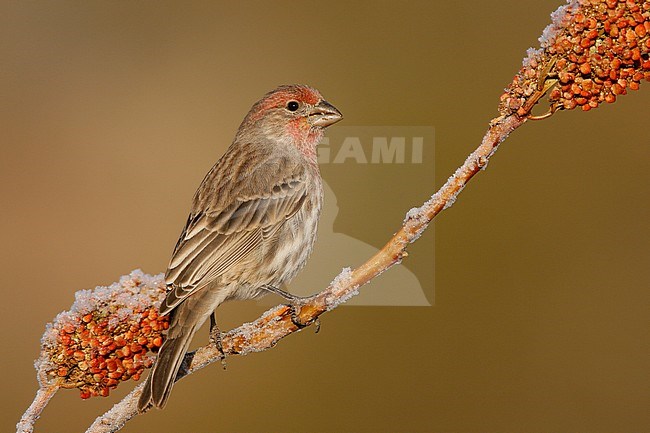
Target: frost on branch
108, 336
593, 51
341, 291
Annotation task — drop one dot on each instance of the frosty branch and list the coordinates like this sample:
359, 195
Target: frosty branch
592, 52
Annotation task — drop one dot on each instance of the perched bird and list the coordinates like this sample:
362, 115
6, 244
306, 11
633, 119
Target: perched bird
252, 224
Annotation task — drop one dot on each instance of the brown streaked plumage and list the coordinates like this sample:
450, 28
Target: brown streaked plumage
252, 223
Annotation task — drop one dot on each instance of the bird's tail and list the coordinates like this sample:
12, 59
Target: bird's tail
163, 375
186, 319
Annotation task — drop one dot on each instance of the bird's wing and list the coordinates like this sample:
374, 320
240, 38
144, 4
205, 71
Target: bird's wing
218, 235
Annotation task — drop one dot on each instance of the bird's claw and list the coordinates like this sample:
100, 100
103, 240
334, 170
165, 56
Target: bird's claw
215, 339
295, 317
295, 302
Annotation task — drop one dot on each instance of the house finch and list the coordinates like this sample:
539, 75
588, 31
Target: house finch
252, 224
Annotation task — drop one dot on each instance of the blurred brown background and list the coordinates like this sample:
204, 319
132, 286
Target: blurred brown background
112, 112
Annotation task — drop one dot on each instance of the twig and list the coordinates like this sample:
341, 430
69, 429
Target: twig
276, 323
33, 412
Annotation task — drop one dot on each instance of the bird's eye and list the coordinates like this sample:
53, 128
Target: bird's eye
292, 105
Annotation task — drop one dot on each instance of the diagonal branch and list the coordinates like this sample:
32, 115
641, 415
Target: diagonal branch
33, 412
276, 323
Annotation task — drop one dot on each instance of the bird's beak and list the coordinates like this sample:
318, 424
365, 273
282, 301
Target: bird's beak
324, 114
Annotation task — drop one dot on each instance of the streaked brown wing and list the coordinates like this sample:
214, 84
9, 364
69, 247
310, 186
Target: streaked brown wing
215, 240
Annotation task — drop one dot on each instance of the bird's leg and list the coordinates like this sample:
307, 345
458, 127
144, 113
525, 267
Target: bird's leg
295, 302
215, 338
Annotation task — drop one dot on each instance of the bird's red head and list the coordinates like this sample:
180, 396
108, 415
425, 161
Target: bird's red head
279, 97
295, 114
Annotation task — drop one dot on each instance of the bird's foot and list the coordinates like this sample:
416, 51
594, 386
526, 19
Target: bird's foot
295, 319
215, 339
296, 303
